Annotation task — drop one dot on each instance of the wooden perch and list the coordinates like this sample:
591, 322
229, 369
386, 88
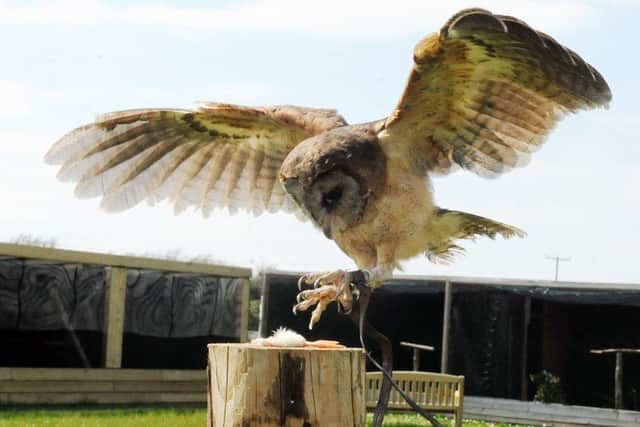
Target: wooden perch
252, 385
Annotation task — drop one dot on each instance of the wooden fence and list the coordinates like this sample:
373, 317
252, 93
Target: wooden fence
101, 386
44, 289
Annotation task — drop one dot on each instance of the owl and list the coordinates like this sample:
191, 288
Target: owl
483, 94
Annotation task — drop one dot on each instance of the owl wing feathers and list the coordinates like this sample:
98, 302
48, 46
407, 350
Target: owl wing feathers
219, 155
455, 225
485, 92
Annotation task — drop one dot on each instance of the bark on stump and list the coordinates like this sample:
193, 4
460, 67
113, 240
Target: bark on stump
250, 385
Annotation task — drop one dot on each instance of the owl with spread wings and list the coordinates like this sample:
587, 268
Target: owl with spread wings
483, 95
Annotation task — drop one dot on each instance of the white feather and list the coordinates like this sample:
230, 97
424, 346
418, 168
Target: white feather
284, 337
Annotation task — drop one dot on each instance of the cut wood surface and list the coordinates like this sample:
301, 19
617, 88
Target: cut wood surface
279, 386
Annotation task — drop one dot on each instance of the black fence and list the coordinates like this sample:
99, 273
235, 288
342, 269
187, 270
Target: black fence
500, 334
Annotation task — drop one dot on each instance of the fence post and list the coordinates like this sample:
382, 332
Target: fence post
114, 317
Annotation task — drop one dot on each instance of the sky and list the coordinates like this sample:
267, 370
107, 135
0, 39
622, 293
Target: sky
66, 61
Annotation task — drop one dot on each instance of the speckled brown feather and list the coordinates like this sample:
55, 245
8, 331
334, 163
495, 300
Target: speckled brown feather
220, 155
454, 225
485, 92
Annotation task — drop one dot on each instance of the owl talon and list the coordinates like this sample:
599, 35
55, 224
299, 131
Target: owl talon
326, 288
301, 282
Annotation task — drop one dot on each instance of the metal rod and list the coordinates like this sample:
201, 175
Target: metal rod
557, 259
418, 346
416, 352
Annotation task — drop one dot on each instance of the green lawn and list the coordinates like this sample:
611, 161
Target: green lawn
98, 417
156, 417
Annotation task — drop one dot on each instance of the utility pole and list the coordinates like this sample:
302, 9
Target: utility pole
557, 259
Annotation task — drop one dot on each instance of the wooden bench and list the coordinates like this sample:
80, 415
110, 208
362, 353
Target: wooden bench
440, 393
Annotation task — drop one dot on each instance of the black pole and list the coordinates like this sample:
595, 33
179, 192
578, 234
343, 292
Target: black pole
618, 381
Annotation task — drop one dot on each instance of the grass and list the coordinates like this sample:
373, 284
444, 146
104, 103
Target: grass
141, 416
413, 420
102, 417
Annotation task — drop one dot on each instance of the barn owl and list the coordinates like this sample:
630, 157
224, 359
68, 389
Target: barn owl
483, 95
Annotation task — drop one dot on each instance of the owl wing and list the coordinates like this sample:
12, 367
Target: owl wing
485, 92
219, 155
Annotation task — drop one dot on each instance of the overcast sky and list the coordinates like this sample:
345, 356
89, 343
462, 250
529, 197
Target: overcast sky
64, 62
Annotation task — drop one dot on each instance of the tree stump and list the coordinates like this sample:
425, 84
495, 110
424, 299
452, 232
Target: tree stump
251, 385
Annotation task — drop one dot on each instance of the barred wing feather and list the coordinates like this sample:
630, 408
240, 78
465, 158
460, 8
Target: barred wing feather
485, 92
220, 155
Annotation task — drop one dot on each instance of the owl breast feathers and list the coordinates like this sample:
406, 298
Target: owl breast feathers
483, 95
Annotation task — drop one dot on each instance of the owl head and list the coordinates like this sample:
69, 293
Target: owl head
332, 176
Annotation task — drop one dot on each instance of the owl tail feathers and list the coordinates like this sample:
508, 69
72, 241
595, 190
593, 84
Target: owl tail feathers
454, 225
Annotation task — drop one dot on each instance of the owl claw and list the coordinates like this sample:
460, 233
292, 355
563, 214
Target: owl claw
326, 288
315, 280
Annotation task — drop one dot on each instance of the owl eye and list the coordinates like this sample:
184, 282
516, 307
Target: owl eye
331, 198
